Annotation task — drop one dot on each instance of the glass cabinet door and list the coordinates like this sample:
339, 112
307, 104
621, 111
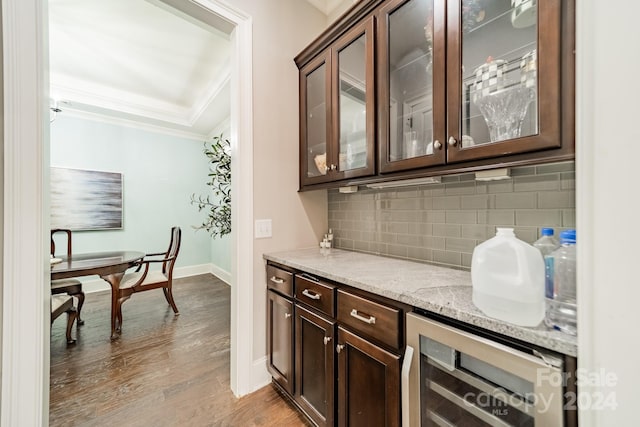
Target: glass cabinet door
504, 77
354, 103
315, 116
411, 101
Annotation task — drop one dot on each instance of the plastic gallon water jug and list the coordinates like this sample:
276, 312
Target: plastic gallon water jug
507, 275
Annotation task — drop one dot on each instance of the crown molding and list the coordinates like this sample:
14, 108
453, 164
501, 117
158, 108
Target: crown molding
135, 124
210, 95
74, 91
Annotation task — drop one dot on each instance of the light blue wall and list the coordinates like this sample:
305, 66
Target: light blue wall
160, 172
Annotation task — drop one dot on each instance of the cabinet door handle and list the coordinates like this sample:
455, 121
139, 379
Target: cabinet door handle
369, 320
277, 280
452, 141
308, 294
339, 347
437, 144
326, 340
287, 315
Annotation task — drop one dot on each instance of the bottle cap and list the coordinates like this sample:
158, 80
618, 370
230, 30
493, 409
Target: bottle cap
568, 236
546, 231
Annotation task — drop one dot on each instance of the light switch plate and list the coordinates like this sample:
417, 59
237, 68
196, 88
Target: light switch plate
262, 228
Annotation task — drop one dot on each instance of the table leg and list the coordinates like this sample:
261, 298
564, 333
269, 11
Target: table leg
114, 280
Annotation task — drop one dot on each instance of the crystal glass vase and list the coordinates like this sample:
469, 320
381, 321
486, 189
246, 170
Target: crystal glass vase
504, 110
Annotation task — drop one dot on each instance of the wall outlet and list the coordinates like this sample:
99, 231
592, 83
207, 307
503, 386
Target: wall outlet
262, 228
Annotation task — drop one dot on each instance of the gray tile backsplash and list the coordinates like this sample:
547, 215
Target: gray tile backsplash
442, 223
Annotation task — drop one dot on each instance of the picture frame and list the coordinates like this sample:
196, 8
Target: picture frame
86, 199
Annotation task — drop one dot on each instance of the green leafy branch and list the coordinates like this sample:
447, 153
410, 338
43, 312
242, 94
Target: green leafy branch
218, 221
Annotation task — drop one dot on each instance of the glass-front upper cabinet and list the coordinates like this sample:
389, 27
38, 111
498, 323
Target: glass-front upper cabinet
315, 116
411, 89
503, 82
337, 109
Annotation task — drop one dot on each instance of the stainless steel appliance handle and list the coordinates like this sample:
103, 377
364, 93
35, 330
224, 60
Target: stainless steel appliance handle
277, 280
404, 391
308, 294
369, 320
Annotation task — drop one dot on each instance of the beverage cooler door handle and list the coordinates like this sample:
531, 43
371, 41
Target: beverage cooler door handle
404, 391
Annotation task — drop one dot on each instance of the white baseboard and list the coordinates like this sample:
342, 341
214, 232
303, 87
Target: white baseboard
99, 285
221, 274
260, 376
191, 270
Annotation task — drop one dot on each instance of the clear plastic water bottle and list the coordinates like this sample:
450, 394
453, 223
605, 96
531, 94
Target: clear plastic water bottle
562, 314
546, 244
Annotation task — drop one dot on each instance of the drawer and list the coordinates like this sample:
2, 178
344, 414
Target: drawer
378, 321
279, 280
315, 293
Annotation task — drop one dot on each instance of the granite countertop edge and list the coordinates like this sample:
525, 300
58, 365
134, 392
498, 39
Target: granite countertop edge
441, 290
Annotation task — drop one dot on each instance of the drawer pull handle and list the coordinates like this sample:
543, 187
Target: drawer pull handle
369, 320
308, 294
277, 280
339, 348
326, 340
287, 315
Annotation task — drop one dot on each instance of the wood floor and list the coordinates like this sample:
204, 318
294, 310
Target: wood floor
162, 371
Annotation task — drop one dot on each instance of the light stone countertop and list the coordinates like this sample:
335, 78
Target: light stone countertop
440, 290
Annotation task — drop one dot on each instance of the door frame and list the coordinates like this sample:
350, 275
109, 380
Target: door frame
25, 307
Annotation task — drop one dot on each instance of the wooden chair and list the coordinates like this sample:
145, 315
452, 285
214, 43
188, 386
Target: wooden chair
64, 304
72, 287
144, 280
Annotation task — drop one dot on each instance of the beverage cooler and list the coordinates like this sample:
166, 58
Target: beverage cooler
452, 377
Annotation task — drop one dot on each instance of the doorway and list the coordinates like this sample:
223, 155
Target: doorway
25, 327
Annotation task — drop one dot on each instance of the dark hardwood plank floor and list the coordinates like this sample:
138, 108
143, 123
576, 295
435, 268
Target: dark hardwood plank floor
162, 371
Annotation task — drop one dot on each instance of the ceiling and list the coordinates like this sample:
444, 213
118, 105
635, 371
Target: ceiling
164, 64
328, 6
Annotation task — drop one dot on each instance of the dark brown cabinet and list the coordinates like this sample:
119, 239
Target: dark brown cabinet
503, 78
368, 383
280, 326
337, 109
502, 71
411, 84
280, 340
315, 365
341, 361
460, 86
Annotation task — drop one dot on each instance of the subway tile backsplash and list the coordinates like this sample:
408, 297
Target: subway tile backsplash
442, 223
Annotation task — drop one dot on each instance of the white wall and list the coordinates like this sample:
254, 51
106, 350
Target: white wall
160, 172
1, 182
340, 9
281, 29
607, 158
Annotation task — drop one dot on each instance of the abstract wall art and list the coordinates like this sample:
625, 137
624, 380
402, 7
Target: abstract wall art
85, 199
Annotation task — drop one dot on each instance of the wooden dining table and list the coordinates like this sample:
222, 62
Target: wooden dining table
110, 266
